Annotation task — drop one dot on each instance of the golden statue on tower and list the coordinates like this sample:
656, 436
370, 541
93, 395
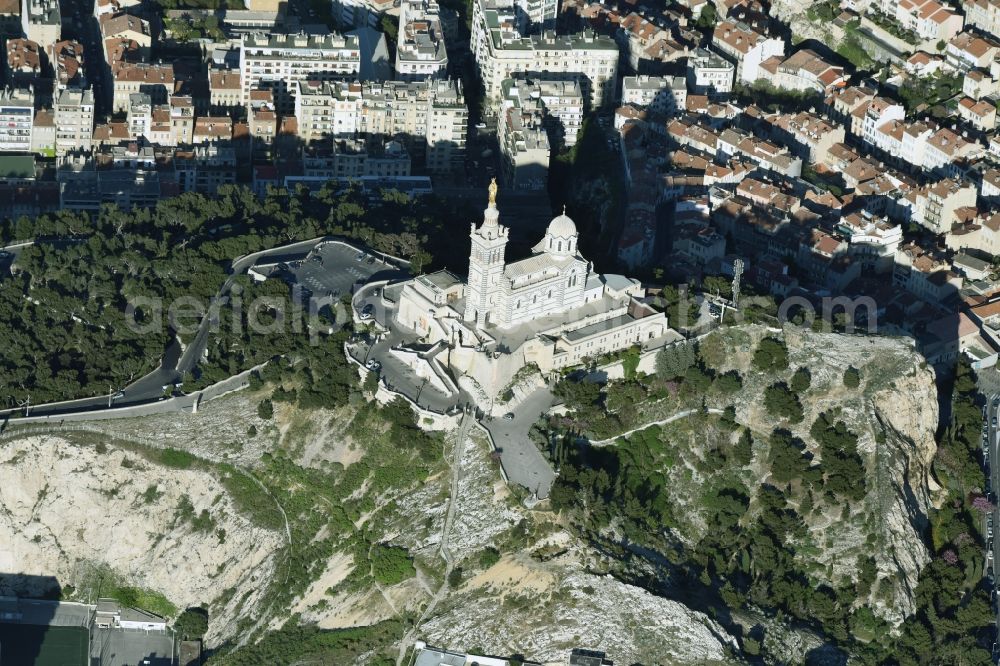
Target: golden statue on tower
493, 191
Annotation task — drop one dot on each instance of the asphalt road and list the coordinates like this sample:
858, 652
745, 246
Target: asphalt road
990, 461
523, 463
337, 267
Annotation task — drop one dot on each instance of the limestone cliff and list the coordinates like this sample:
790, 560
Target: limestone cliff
895, 415
64, 507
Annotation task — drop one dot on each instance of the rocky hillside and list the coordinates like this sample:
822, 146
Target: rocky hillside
67, 507
345, 530
894, 414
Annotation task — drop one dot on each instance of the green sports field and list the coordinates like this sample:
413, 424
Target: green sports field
28, 645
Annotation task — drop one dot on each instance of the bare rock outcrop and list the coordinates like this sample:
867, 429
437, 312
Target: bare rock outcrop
64, 506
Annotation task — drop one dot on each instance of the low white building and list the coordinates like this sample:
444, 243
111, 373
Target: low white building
659, 94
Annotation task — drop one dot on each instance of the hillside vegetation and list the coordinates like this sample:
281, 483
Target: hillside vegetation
811, 497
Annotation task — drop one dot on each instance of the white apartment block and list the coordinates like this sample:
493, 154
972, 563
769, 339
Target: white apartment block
530, 16
140, 116
181, 120
73, 113
501, 51
280, 62
929, 19
746, 47
41, 21
433, 112
558, 103
524, 148
709, 74
420, 48
983, 14
933, 206
17, 115
327, 109
666, 95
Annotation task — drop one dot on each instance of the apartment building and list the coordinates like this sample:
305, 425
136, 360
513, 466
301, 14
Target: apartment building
983, 14
501, 50
140, 116
41, 21
326, 109
558, 103
212, 129
205, 168
73, 113
982, 115
524, 147
262, 117
420, 47
281, 62
225, 90
934, 205
117, 28
808, 135
17, 115
157, 81
431, 114
67, 61
644, 40
181, 120
746, 47
967, 50
803, 71
43, 134
659, 94
24, 63
709, 74
928, 19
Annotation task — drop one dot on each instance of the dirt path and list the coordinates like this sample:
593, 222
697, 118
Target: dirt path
670, 419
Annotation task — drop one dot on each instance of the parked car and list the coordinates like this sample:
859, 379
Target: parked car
509, 416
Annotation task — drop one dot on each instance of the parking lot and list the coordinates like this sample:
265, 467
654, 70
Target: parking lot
332, 269
130, 647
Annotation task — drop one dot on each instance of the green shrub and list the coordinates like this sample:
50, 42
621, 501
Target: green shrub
771, 355
801, 380
488, 557
175, 458
780, 401
391, 564
191, 624
265, 410
852, 377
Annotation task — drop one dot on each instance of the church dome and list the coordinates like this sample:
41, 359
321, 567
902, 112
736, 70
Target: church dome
562, 226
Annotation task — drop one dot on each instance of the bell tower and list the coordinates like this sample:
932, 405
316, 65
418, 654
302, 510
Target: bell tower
486, 262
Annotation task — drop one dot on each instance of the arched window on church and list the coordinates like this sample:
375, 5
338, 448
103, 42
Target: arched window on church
560, 246
518, 306
534, 299
550, 293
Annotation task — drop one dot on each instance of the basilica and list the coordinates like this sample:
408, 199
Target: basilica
550, 309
